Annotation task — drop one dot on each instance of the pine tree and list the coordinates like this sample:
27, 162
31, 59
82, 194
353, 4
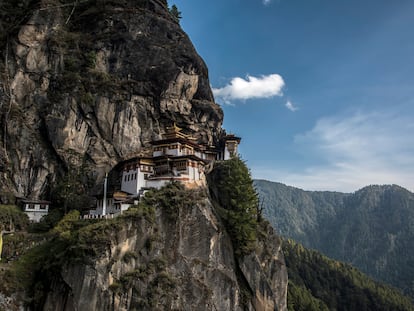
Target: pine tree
176, 14
239, 201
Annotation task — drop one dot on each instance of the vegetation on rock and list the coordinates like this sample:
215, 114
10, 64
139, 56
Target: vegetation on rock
71, 192
12, 218
232, 188
175, 13
73, 241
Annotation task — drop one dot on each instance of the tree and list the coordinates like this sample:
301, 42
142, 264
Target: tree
232, 186
175, 13
72, 190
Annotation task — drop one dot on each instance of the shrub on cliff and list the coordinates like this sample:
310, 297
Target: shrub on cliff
11, 218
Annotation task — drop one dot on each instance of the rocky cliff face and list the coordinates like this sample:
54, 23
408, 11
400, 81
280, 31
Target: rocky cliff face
90, 83
179, 258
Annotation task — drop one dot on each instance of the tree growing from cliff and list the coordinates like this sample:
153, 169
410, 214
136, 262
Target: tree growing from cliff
175, 13
238, 200
72, 190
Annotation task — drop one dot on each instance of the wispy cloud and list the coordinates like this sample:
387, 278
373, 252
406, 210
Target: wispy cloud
289, 105
354, 151
265, 86
267, 2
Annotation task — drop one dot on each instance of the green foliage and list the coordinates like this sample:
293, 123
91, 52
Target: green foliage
6, 197
129, 256
319, 283
372, 229
72, 191
90, 59
301, 299
73, 241
175, 13
19, 243
47, 222
78, 75
172, 197
232, 187
65, 225
12, 218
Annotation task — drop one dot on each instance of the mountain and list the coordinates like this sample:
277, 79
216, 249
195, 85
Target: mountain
372, 229
319, 283
86, 84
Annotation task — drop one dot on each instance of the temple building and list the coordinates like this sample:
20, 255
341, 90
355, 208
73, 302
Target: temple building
34, 209
229, 147
175, 157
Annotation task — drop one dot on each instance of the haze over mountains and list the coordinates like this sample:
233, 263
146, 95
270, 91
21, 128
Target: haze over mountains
372, 229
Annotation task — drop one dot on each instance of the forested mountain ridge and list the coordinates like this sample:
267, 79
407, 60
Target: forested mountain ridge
372, 229
319, 283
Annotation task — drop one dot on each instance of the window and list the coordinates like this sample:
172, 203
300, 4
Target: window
135, 176
181, 165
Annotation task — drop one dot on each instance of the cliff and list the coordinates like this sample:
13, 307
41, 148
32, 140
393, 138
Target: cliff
84, 85
90, 83
172, 252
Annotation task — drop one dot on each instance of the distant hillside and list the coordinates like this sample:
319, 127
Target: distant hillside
319, 283
372, 229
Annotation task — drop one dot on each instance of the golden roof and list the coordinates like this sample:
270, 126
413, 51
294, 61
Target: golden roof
175, 132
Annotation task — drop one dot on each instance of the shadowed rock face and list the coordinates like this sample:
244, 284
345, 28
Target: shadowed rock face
92, 86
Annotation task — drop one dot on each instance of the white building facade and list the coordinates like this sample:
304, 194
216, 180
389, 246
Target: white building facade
35, 210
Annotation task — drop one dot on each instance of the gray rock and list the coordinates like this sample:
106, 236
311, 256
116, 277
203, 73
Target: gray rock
188, 266
96, 90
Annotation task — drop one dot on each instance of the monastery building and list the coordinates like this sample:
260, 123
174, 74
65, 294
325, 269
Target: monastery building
176, 157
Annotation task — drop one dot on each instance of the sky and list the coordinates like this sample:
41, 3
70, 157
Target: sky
321, 91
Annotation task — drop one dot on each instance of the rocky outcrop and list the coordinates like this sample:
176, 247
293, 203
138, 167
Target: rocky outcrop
11, 303
267, 284
90, 83
181, 261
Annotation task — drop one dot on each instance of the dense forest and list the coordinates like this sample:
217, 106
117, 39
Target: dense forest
372, 229
319, 283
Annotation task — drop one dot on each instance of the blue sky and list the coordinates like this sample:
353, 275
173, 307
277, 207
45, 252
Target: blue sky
321, 91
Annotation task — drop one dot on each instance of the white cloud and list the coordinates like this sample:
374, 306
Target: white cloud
289, 105
354, 151
251, 87
267, 2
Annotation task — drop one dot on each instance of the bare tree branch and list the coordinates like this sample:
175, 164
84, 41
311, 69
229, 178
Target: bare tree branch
71, 13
